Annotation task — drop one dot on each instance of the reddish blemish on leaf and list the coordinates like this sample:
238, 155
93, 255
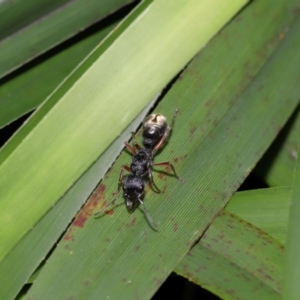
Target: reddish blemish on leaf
161, 176
132, 222
176, 159
109, 212
90, 206
81, 218
68, 236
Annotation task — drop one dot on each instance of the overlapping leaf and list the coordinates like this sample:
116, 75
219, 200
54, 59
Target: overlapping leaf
27, 30
106, 257
75, 125
14, 269
119, 266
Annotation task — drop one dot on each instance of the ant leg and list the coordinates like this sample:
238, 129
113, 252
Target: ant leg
121, 177
135, 143
129, 148
148, 217
166, 134
167, 163
135, 147
113, 202
100, 212
152, 181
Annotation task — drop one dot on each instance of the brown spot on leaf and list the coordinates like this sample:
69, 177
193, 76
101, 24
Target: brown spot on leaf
175, 227
87, 282
90, 206
221, 235
193, 129
176, 159
161, 176
109, 212
68, 236
224, 196
132, 222
209, 103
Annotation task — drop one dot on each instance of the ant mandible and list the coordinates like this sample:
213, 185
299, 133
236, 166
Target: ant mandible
155, 132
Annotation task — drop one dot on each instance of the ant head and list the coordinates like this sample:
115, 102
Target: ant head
133, 188
154, 126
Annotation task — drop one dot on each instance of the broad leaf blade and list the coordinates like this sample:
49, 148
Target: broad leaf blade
18, 14
14, 269
277, 166
24, 92
90, 111
291, 288
235, 261
48, 30
267, 209
119, 254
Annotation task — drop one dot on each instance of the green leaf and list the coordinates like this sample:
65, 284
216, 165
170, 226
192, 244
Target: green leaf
20, 263
213, 147
278, 164
89, 110
267, 209
291, 288
24, 92
16, 15
235, 260
30, 30
224, 272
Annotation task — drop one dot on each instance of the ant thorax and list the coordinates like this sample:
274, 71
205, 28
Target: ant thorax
141, 162
154, 127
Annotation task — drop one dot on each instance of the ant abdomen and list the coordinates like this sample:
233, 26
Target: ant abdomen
154, 127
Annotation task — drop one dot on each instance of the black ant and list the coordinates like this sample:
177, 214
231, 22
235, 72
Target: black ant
155, 132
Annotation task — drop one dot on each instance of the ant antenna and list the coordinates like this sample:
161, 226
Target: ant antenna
148, 217
100, 212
